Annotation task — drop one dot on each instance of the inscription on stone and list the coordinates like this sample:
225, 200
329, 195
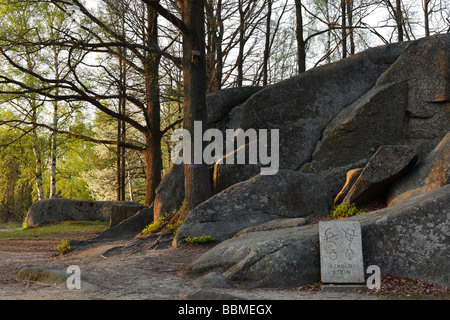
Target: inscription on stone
341, 260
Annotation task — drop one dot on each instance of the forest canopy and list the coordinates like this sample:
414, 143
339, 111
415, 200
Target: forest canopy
91, 91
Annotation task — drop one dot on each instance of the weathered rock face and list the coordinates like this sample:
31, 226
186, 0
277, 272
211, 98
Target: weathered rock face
289, 194
275, 225
55, 210
431, 173
225, 176
388, 163
170, 192
220, 103
280, 258
129, 228
120, 213
409, 239
408, 106
301, 107
354, 135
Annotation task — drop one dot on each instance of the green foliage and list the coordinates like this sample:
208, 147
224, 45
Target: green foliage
64, 247
169, 222
101, 178
155, 226
200, 240
24, 222
18, 174
345, 210
163, 224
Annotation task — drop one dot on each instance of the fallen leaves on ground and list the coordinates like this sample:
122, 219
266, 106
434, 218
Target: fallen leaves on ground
406, 287
397, 287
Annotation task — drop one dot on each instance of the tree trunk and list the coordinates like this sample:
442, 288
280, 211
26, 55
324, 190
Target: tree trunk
426, 17
301, 50
344, 28
153, 168
328, 43
197, 184
53, 150
121, 136
38, 176
267, 44
350, 25
219, 53
399, 20
130, 177
121, 126
240, 62
153, 153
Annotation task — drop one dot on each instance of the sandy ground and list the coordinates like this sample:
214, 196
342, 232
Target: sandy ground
130, 271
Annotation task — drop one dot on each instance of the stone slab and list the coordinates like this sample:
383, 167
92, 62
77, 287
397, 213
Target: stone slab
341, 259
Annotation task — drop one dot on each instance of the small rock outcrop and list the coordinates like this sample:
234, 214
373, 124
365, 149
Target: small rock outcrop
431, 173
387, 164
56, 210
352, 176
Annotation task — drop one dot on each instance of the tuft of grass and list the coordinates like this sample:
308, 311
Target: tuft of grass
200, 240
64, 247
166, 223
345, 210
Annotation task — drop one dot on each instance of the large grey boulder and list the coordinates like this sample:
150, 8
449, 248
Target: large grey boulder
288, 194
409, 239
431, 173
301, 107
408, 106
388, 163
280, 258
55, 210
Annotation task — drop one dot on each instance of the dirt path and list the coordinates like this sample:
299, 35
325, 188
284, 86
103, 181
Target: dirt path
126, 273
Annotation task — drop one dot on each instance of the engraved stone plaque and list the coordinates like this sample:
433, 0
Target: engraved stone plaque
341, 259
